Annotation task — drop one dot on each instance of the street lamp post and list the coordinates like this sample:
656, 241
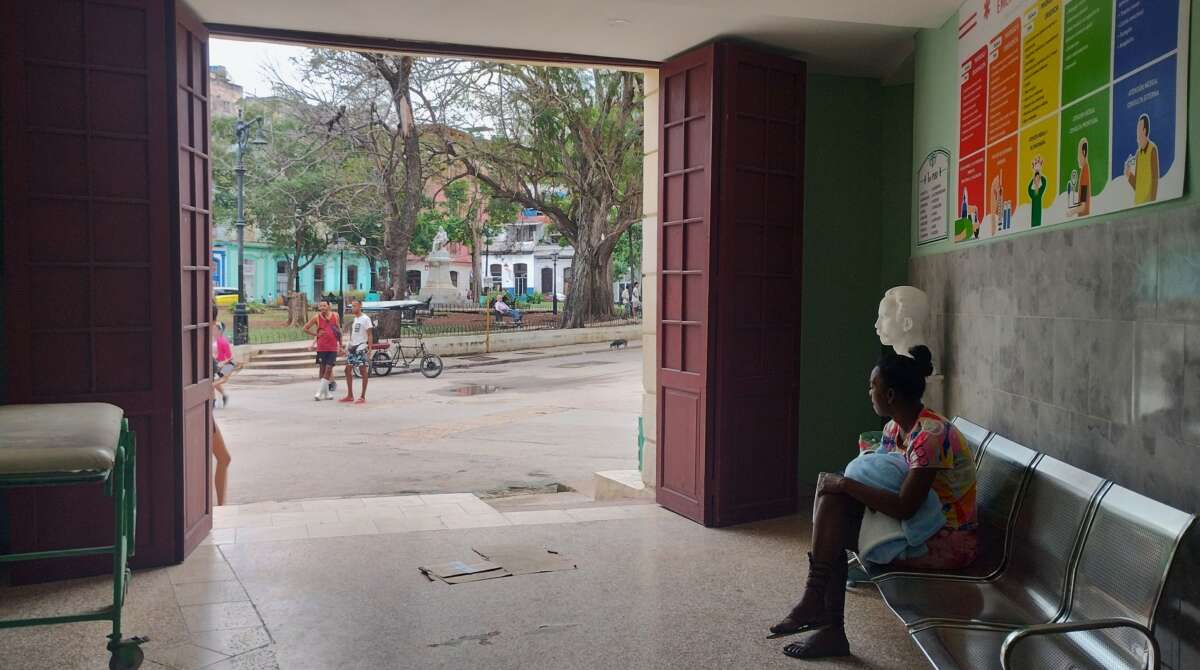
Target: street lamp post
241, 130
554, 279
341, 247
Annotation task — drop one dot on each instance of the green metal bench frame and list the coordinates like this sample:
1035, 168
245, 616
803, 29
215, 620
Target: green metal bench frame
120, 484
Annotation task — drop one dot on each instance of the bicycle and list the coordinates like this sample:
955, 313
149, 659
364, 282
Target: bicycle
393, 352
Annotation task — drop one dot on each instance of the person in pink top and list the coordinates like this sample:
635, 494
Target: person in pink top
223, 366
326, 330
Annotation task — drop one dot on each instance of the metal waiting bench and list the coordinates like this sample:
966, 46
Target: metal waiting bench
1077, 568
79, 443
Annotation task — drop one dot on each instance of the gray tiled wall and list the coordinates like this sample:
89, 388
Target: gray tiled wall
1084, 343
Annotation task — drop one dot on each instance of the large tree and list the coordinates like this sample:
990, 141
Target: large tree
567, 142
365, 98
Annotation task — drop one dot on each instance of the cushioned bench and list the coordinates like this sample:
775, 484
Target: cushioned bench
77, 443
1081, 567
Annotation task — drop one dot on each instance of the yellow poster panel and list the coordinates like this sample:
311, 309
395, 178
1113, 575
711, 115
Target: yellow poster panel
1038, 168
1041, 59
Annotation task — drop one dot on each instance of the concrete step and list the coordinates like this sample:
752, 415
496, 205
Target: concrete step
621, 485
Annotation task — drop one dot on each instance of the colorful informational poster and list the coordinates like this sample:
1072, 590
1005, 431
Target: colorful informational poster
1067, 109
933, 197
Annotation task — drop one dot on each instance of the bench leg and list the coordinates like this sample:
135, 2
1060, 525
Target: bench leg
126, 654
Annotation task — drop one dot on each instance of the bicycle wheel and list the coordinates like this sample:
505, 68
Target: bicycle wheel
355, 370
381, 364
431, 365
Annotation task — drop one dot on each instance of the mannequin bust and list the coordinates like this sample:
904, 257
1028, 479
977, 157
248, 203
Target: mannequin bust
903, 313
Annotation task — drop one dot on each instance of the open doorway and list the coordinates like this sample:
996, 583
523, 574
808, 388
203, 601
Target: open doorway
527, 403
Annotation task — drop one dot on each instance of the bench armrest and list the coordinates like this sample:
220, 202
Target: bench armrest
1015, 638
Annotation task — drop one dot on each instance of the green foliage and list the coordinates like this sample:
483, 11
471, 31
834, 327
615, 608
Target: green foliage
537, 297
623, 257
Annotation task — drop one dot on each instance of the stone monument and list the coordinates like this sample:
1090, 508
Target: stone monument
437, 284
903, 319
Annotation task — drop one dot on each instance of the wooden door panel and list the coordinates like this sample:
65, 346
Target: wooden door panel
731, 178
86, 247
757, 333
194, 227
685, 173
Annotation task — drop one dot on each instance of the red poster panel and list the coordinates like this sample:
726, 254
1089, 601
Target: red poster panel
970, 198
1004, 82
972, 99
1000, 183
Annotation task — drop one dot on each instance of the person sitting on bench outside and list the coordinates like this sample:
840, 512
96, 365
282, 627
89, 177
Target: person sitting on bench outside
939, 460
503, 310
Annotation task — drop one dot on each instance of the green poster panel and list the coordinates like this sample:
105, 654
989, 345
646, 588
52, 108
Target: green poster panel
1087, 47
1084, 125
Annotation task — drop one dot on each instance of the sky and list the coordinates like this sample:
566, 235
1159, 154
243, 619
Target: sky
246, 61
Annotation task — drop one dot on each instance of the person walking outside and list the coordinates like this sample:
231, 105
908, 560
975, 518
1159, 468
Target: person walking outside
358, 353
327, 334
219, 450
223, 366
635, 299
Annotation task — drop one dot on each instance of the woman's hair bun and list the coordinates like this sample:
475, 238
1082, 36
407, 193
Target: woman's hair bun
923, 358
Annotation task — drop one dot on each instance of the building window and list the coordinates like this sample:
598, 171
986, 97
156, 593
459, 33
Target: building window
318, 281
281, 277
414, 282
454, 278
497, 278
352, 277
520, 277
248, 266
568, 277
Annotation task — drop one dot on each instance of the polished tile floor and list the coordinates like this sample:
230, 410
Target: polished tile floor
334, 584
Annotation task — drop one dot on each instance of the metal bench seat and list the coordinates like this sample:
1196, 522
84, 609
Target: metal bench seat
1001, 475
76, 442
1115, 584
1032, 585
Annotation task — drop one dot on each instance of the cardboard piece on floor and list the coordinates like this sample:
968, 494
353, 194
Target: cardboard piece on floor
460, 572
525, 559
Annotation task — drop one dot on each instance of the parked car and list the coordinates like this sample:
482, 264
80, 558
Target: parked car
225, 296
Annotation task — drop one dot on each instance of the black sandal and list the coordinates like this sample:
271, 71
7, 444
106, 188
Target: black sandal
820, 573
825, 642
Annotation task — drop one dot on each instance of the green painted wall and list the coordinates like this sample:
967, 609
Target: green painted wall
899, 166
935, 123
858, 160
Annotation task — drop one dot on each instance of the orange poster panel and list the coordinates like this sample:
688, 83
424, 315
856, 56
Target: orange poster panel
1004, 82
1000, 187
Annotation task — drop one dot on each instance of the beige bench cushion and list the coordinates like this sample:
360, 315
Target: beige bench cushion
68, 437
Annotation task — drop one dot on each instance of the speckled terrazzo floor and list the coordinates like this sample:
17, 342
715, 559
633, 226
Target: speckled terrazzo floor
652, 590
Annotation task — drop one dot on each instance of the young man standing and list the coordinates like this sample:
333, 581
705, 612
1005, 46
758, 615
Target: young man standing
358, 353
325, 328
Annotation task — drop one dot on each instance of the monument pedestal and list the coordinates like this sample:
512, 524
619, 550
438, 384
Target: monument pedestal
437, 285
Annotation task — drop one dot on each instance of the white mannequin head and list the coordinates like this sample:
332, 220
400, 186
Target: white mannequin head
902, 316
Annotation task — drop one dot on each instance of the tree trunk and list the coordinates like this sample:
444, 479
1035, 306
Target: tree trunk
591, 296
297, 307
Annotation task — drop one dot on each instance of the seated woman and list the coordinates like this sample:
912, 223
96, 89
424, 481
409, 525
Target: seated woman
939, 459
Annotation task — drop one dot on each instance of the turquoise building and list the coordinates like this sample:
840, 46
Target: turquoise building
266, 272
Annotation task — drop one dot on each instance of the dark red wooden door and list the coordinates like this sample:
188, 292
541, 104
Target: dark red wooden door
87, 252
731, 183
195, 258
758, 285
685, 206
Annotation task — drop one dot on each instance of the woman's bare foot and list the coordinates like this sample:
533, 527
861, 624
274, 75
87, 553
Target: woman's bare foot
348, 398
